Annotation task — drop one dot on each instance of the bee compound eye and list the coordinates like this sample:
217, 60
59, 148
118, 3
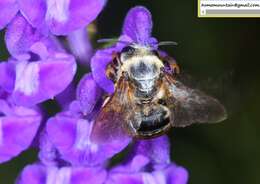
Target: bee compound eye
128, 50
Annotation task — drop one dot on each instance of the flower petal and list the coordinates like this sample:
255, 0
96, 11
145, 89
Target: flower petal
39, 81
170, 173
138, 25
34, 11
176, 175
130, 173
71, 136
65, 16
40, 174
17, 130
7, 76
119, 178
98, 66
20, 36
88, 175
33, 174
66, 97
80, 46
157, 149
88, 93
135, 165
8, 8
47, 153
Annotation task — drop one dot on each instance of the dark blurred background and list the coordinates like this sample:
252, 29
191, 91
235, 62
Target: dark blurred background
222, 56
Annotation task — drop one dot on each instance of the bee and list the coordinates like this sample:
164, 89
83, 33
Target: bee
149, 99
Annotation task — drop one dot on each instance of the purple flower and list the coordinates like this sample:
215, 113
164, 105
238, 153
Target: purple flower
150, 163
40, 174
98, 65
59, 16
88, 93
157, 150
138, 26
25, 82
70, 131
18, 127
20, 36
31, 82
7, 81
70, 137
137, 171
9, 9
36, 59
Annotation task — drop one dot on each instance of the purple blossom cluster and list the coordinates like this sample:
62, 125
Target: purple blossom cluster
40, 68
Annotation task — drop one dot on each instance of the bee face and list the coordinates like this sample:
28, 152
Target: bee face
142, 66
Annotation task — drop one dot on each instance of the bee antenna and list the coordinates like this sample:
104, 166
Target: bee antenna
106, 40
167, 43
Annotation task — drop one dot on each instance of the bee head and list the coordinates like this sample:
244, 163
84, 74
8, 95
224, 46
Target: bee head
142, 65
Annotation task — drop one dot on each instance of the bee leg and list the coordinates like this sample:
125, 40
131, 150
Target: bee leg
113, 67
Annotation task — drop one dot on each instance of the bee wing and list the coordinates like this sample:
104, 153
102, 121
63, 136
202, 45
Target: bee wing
193, 106
111, 121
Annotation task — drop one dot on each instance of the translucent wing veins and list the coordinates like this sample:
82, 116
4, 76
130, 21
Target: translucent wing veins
193, 106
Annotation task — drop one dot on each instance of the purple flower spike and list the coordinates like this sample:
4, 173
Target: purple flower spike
40, 174
41, 80
88, 93
8, 8
138, 25
71, 137
18, 126
61, 16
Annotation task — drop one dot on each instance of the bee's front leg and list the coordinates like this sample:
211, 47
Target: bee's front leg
113, 67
